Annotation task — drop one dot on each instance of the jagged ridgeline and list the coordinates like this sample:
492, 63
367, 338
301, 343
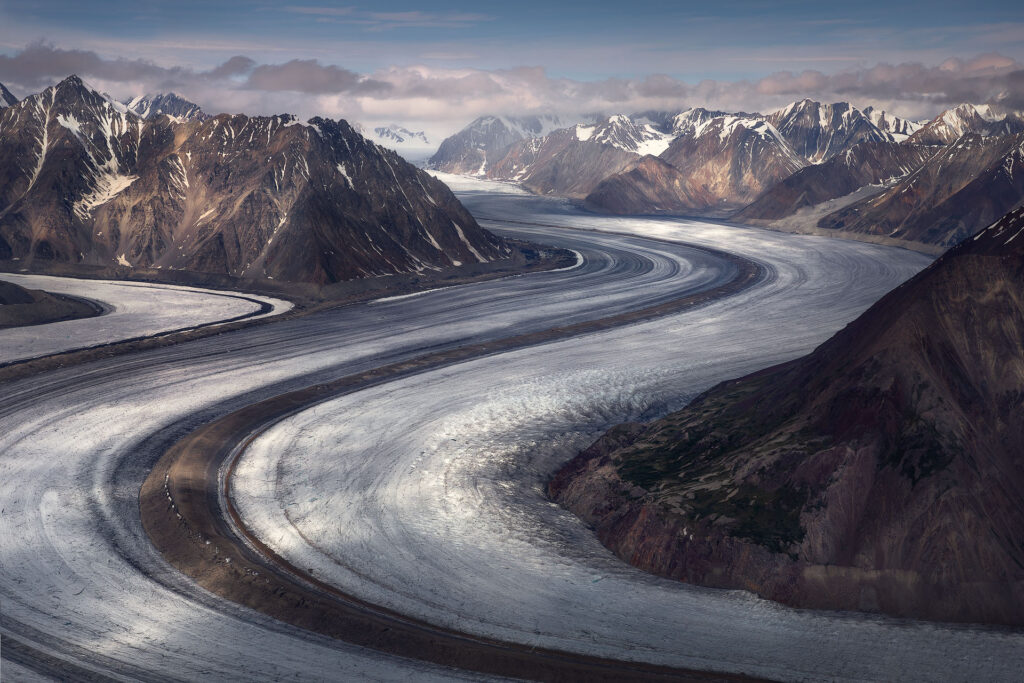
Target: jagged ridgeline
85, 180
865, 173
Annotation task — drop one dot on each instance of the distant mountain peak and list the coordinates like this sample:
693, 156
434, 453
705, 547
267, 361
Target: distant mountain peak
395, 134
983, 119
819, 131
620, 130
152, 105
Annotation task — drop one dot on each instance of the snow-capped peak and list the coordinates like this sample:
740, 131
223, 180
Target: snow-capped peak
151, 106
621, 131
687, 121
899, 128
394, 134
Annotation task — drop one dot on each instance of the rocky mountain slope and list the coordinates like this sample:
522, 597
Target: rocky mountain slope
486, 140
7, 98
899, 128
883, 472
868, 163
151, 106
952, 124
83, 180
649, 185
818, 131
570, 162
396, 135
955, 193
719, 163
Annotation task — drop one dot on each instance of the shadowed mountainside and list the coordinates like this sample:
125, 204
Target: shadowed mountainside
883, 472
83, 180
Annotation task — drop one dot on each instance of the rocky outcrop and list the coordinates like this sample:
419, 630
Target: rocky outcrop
20, 306
83, 180
883, 472
818, 131
899, 128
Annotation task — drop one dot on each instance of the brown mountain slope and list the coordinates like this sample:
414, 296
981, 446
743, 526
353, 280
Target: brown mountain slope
648, 186
729, 160
561, 163
83, 180
868, 163
818, 131
883, 472
714, 165
950, 197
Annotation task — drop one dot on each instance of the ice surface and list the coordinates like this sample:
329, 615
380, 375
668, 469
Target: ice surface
134, 309
445, 474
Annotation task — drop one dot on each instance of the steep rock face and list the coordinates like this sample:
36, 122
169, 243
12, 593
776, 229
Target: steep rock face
869, 163
152, 106
648, 186
952, 124
567, 162
395, 134
951, 196
484, 141
818, 132
63, 152
712, 165
686, 122
87, 182
624, 133
730, 160
7, 98
899, 128
883, 472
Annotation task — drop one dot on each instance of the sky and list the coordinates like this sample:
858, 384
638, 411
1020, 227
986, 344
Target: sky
438, 68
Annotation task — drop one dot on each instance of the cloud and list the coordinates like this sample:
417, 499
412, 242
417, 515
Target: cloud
309, 76
444, 99
39, 64
236, 66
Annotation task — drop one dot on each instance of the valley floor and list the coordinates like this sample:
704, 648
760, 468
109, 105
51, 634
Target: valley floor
425, 494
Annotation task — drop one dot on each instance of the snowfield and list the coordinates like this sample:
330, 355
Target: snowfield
132, 309
425, 493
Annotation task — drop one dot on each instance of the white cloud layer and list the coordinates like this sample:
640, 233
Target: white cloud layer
441, 100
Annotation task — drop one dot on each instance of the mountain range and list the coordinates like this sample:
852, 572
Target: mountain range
86, 180
882, 472
397, 135
809, 165
175, 106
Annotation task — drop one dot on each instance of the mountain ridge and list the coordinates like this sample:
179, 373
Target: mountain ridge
85, 181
